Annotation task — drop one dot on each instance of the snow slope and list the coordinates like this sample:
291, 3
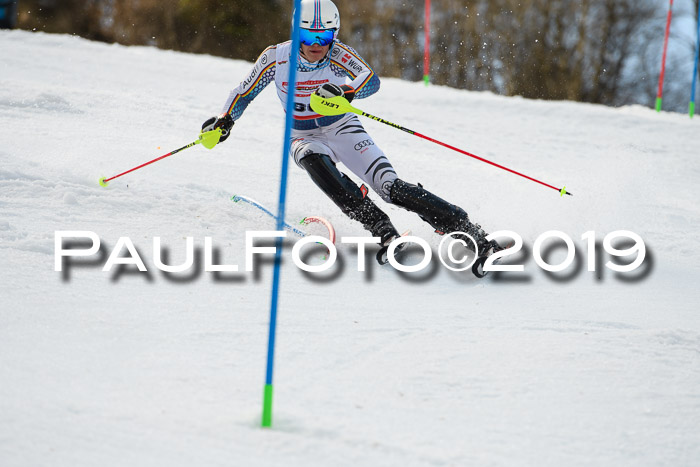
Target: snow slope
375, 368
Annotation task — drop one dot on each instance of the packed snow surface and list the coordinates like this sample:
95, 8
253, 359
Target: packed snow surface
375, 368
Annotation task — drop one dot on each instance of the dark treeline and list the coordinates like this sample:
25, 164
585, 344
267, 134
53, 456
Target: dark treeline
601, 51
234, 29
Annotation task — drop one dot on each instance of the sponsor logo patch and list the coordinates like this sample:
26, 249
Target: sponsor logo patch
364, 144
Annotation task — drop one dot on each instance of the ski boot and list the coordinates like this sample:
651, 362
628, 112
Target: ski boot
484, 248
351, 199
385, 230
445, 217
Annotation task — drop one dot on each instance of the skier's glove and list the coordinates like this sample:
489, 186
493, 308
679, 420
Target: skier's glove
223, 121
329, 90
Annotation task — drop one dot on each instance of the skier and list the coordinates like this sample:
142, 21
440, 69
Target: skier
331, 68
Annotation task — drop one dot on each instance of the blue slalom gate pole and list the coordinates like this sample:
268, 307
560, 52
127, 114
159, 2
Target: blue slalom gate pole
267, 400
691, 106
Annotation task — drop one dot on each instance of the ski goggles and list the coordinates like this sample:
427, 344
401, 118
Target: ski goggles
322, 37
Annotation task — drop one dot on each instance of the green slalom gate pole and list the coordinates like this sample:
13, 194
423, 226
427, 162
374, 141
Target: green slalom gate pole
339, 105
207, 139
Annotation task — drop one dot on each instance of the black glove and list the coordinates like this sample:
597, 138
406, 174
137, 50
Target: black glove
223, 121
329, 90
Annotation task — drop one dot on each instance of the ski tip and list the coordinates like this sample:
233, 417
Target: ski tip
478, 267
103, 183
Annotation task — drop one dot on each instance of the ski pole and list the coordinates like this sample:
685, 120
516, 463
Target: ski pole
208, 140
339, 105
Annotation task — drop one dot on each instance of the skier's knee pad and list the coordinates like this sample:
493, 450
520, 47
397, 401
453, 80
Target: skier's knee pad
443, 216
301, 148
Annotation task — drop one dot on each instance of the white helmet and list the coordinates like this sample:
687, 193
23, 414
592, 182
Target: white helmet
319, 14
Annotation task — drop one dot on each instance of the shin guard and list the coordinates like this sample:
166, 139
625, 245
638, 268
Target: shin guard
348, 196
444, 217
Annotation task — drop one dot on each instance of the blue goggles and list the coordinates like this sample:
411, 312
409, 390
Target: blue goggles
321, 37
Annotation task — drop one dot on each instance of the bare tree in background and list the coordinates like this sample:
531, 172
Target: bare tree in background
602, 51
547, 49
80, 17
227, 28
380, 30
235, 29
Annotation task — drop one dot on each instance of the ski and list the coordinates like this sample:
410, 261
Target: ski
295, 230
478, 267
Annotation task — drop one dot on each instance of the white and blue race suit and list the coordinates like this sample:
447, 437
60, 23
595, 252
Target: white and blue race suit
341, 137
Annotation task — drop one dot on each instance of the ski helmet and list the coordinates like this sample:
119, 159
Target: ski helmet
319, 14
